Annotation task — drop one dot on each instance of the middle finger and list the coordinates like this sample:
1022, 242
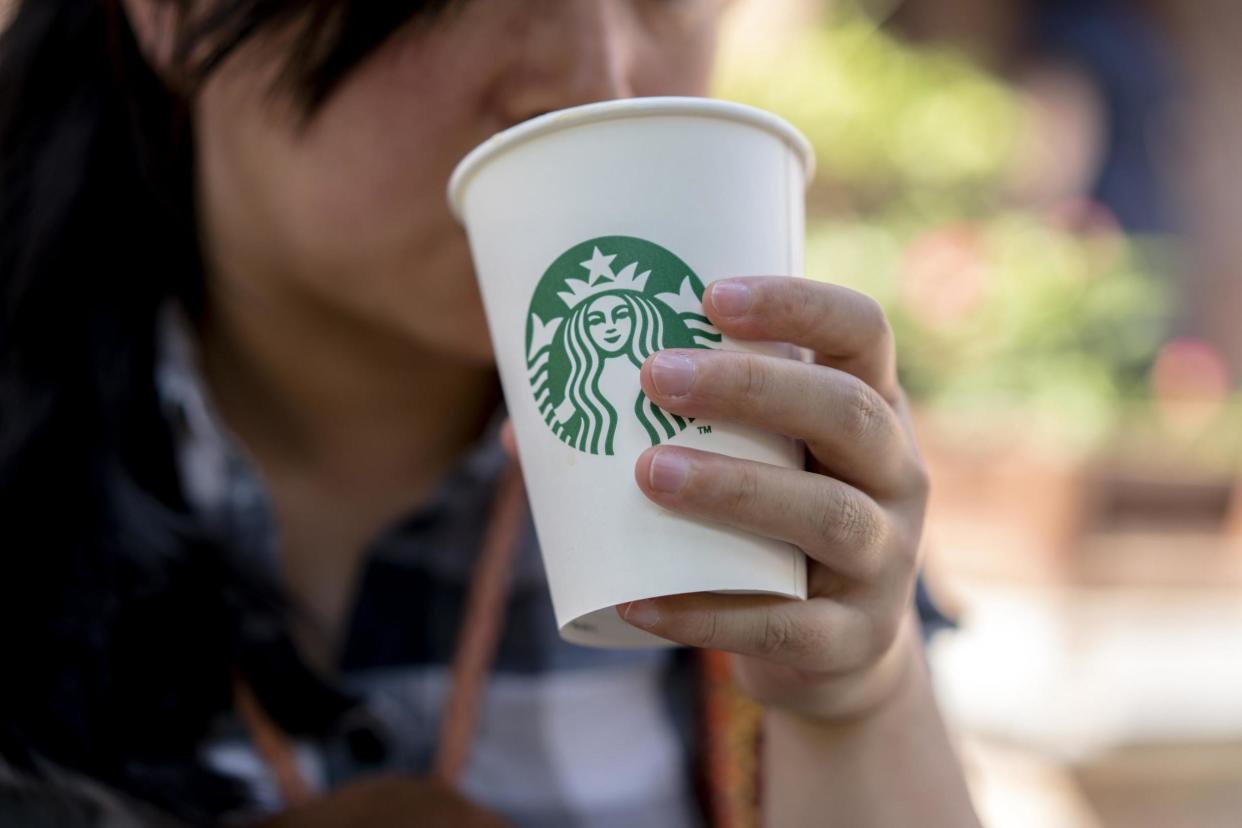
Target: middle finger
845, 423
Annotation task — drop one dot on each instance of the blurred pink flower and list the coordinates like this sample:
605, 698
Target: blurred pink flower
1190, 383
943, 275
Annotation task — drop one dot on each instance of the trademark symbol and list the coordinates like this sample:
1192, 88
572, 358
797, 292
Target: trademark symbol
705, 429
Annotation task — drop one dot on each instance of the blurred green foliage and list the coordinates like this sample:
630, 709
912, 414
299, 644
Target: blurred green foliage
1001, 313
883, 117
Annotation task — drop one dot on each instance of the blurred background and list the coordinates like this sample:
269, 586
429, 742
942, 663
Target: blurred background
1046, 196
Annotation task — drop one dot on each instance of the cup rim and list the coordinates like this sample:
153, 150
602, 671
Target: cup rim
612, 110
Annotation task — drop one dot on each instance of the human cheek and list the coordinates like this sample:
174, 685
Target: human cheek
678, 46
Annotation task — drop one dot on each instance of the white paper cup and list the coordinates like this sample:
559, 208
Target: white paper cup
594, 231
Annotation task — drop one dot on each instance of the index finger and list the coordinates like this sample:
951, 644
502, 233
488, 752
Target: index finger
846, 329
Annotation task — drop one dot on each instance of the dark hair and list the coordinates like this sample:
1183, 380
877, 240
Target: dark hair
122, 622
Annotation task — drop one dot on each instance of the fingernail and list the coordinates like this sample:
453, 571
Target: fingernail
673, 374
669, 470
641, 614
731, 298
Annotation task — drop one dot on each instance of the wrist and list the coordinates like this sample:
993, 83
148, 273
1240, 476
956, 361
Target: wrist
856, 696
889, 761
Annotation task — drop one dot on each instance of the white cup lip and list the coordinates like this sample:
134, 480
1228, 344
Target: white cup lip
624, 108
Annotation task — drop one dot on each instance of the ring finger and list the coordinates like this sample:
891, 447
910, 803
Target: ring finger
831, 521
846, 424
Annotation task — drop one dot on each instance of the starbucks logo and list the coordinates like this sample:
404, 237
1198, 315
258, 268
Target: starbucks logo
599, 311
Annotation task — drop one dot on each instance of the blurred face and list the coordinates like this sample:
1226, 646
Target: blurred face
609, 324
348, 212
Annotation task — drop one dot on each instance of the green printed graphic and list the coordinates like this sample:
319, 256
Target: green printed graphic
599, 311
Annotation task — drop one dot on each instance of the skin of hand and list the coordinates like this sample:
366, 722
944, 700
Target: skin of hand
856, 509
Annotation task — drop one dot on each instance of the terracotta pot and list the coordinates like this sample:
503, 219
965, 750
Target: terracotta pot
1002, 506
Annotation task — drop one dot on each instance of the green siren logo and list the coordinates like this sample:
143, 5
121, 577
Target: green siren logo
599, 311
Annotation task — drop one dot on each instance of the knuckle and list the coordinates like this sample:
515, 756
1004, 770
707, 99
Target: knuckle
705, 630
864, 411
853, 520
777, 634
858, 524
822, 648
744, 491
802, 307
847, 522
752, 380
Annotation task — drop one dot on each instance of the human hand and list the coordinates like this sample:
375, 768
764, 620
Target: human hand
856, 510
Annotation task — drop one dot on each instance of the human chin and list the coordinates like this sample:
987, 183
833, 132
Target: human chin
605, 346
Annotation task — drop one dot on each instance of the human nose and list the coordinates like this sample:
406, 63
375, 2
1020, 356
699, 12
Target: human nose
572, 52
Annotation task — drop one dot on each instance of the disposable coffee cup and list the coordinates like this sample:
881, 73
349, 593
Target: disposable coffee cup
594, 231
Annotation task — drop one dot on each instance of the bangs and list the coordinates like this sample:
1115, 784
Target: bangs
329, 37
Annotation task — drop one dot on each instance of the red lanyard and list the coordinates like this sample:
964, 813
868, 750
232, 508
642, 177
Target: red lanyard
480, 631
731, 721
472, 659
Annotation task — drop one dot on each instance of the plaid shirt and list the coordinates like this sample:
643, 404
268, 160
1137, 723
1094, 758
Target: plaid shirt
568, 735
